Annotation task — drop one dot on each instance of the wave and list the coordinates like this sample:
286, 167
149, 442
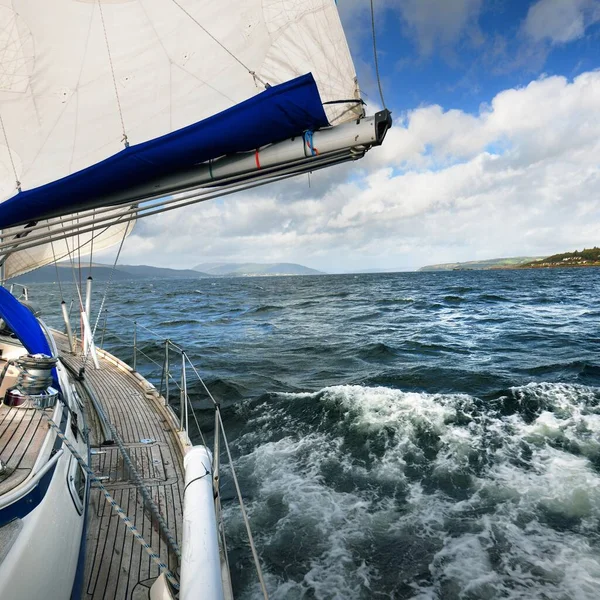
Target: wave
179, 322
452, 299
377, 351
267, 308
393, 301
426, 495
492, 298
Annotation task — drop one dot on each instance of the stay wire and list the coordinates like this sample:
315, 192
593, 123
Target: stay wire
375, 55
62, 298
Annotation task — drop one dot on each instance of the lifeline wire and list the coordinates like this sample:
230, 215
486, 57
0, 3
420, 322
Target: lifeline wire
238, 490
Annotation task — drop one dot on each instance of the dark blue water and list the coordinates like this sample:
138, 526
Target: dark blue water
407, 435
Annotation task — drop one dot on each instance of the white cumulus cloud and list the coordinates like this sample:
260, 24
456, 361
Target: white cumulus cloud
560, 21
520, 177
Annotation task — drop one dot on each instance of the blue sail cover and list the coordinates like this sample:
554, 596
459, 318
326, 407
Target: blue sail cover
278, 113
23, 324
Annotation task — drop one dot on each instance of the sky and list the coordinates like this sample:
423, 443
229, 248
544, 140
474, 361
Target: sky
494, 151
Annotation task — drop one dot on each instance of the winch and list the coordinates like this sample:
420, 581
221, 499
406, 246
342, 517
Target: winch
34, 384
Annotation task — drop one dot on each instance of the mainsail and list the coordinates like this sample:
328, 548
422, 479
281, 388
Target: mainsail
102, 101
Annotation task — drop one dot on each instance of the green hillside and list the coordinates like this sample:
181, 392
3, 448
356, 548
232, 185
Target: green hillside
586, 258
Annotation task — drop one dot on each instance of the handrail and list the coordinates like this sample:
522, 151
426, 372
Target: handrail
167, 377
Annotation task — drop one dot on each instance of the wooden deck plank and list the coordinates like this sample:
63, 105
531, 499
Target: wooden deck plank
21, 438
115, 562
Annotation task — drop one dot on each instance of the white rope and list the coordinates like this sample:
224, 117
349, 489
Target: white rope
112, 71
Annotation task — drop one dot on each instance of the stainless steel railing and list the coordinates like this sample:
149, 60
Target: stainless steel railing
174, 367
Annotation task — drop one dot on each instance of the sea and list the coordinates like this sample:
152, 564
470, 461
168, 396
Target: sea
408, 435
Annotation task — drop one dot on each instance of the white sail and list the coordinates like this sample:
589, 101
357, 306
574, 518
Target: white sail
172, 62
70, 247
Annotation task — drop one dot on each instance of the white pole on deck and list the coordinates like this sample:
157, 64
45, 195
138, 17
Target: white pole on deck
88, 296
89, 346
65, 314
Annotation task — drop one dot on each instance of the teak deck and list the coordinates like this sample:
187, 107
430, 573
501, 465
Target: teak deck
21, 437
116, 565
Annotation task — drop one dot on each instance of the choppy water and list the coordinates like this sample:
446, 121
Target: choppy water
409, 435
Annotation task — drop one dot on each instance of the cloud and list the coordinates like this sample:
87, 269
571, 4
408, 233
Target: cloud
560, 21
440, 24
521, 177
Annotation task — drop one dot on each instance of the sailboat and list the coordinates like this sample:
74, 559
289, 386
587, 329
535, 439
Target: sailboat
112, 111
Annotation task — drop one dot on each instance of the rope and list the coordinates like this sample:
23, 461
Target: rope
308, 139
56, 267
263, 586
112, 71
140, 485
12, 162
212, 37
375, 55
186, 359
120, 512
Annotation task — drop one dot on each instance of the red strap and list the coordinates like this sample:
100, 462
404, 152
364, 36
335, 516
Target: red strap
257, 160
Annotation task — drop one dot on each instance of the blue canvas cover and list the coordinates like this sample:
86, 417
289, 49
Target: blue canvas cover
280, 112
23, 324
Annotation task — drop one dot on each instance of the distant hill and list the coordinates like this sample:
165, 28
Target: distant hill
480, 265
102, 273
585, 258
163, 272
254, 269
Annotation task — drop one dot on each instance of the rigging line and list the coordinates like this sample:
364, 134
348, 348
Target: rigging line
73, 272
79, 252
91, 245
12, 162
375, 54
112, 71
209, 34
257, 566
182, 194
62, 298
186, 358
237, 486
190, 199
